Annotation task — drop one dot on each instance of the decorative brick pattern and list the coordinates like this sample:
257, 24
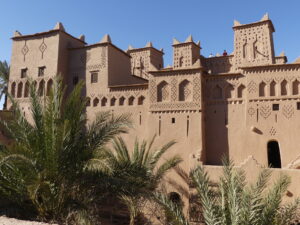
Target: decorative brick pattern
272, 131
174, 92
265, 111
251, 111
152, 91
196, 89
43, 47
252, 87
288, 111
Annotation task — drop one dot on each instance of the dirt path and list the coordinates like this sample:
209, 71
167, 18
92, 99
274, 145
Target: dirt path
10, 221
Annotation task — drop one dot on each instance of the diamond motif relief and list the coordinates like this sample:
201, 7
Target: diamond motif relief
43, 47
174, 89
25, 50
252, 87
152, 90
272, 131
196, 89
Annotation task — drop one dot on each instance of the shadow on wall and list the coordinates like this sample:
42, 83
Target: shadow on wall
218, 97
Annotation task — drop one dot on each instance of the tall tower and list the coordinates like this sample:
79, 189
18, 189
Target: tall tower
253, 43
185, 54
145, 59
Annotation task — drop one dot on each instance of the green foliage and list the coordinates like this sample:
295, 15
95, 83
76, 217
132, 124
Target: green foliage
231, 201
134, 174
4, 77
44, 167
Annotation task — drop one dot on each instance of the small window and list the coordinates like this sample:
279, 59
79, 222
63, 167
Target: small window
75, 80
88, 102
121, 101
41, 71
298, 105
173, 120
23, 73
275, 107
94, 77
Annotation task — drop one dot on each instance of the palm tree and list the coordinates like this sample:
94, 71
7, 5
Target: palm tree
139, 170
44, 166
4, 77
231, 201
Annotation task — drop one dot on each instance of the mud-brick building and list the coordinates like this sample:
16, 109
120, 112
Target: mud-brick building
245, 104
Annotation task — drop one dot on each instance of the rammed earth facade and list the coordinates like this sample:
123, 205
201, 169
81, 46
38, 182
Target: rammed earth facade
245, 105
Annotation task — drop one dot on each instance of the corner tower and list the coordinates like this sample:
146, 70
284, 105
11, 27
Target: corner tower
253, 43
185, 54
145, 59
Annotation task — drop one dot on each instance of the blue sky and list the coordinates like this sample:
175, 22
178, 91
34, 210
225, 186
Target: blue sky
136, 22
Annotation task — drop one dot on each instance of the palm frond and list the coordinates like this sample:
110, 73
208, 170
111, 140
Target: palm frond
173, 212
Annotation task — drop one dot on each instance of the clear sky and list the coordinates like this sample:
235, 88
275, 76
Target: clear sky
136, 22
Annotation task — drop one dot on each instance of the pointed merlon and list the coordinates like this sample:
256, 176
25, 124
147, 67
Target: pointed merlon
105, 39
175, 41
17, 34
198, 43
82, 37
130, 47
236, 23
297, 60
149, 44
59, 26
265, 17
189, 39
218, 54
162, 50
282, 54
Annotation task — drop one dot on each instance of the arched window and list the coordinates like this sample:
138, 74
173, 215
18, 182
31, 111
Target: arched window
217, 92
274, 159
49, 86
180, 61
20, 90
34, 84
103, 101
88, 101
175, 198
185, 92
141, 100
162, 91
296, 87
262, 89
131, 100
284, 87
95, 102
113, 101
273, 88
26, 91
240, 91
121, 101
13, 89
229, 92
41, 88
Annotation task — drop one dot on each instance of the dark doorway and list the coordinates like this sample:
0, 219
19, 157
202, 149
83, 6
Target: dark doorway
274, 160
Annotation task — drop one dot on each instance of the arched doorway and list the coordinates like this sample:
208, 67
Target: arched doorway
274, 159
